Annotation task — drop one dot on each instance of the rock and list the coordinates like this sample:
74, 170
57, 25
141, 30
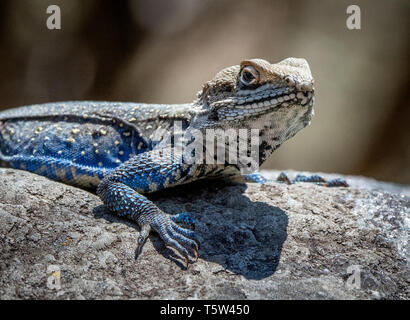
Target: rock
270, 241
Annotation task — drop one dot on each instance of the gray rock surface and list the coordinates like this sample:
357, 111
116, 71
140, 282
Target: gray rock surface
269, 241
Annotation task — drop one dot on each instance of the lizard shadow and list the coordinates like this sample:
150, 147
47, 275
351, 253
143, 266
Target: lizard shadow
244, 237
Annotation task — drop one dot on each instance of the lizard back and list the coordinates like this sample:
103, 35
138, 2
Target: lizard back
80, 142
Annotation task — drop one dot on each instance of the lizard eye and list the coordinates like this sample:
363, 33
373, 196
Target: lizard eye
249, 75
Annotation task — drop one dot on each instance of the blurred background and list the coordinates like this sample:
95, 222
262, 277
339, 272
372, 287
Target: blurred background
162, 51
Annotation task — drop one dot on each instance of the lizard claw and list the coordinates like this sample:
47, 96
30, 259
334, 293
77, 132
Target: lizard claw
145, 230
196, 253
183, 240
283, 177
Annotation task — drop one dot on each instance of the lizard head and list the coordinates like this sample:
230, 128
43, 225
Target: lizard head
276, 99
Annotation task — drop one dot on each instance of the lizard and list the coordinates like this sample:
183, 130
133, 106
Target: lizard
112, 147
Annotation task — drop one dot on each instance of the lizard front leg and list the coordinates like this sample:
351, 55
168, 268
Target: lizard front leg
122, 192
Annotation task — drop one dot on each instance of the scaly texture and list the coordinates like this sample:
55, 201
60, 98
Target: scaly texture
116, 148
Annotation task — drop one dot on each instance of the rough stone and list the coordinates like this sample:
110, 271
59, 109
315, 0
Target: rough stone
270, 241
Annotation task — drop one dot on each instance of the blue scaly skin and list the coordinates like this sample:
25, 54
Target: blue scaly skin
283, 177
115, 149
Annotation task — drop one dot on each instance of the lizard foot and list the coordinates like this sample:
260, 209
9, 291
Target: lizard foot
283, 177
255, 177
185, 241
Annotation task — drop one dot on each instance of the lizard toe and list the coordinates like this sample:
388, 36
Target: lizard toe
179, 234
339, 182
145, 230
169, 241
283, 177
183, 240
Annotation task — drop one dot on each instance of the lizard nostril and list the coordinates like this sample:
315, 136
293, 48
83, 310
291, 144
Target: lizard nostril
307, 87
290, 81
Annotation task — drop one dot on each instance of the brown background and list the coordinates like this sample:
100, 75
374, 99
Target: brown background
162, 52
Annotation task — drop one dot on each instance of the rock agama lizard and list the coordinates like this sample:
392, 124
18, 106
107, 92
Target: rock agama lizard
113, 147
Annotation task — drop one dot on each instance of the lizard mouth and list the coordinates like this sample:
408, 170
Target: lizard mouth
243, 107
301, 98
